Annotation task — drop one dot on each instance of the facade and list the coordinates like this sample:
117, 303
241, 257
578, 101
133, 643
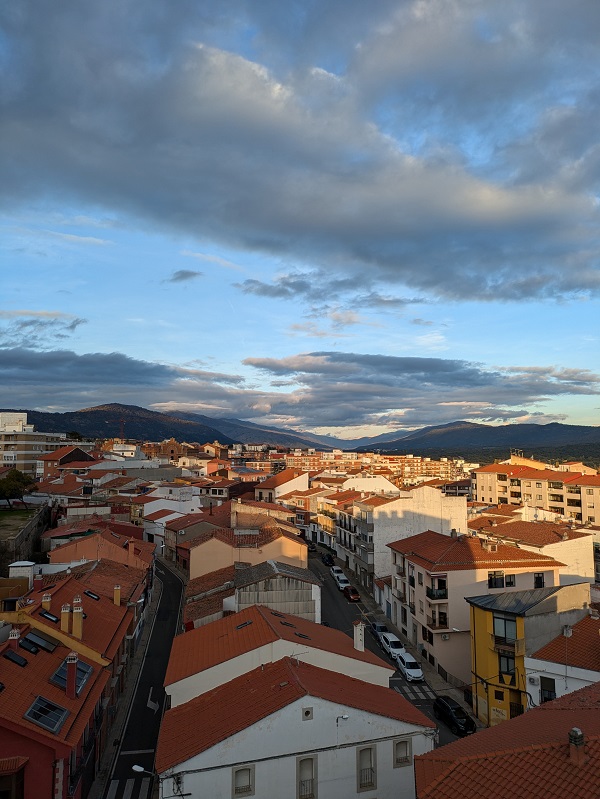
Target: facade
21, 447
281, 483
309, 732
365, 530
506, 628
431, 576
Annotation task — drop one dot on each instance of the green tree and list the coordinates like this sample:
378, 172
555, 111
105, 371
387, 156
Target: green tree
14, 486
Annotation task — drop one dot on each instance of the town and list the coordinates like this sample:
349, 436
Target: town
211, 620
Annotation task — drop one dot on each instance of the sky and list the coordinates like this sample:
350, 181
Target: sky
328, 215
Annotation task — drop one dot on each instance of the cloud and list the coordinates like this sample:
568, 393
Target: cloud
361, 150
183, 276
36, 329
212, 259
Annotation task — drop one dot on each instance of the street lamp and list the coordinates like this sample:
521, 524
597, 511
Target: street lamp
141, 770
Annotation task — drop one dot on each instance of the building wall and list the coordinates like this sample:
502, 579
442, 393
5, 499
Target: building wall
196, 684
566, 678
275, 744
215, 554
284, 594
39, 772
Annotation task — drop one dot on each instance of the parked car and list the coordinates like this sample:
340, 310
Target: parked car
342, 581
450, 712
351, 594
409, 667
377, 628
335, 570
391, 644
327, 559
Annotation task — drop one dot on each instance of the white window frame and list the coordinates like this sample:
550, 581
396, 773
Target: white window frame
242, 790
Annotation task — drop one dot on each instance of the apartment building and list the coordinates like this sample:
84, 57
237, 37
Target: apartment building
433, 573
21, 446
365, 529
505, 629
571, 495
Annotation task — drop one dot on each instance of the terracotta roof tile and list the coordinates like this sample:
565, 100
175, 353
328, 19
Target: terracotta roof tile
584, 646
524, 758
537, 534
433, 550
239, 704
222, 640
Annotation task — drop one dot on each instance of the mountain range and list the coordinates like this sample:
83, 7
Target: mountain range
109, 421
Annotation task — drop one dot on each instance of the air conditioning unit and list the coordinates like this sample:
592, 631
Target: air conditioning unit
533, 680
445, 637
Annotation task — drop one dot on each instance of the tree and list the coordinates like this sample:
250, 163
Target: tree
14, 485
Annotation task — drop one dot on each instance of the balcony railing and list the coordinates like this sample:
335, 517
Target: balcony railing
400, 572
437, 622
436, 593
512, 645
306, 789
367, 778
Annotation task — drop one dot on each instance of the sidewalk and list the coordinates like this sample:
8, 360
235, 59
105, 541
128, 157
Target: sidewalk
117, 730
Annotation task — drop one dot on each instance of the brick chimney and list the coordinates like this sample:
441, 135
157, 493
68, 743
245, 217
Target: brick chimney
65, 618
577, 753
13, 639
117, 595
46, 601
77, 621
71, 687
38, 581
359, 635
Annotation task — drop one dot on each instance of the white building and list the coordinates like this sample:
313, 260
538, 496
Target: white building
289, 730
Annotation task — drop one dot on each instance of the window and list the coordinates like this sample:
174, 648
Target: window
420, 577
589, 491
538, 497
506, 666
402, 753
505, 628
538, 580
421, 606
366, 768
547, 689
538, 485
495, 579
499, 696
243, 781
510, 580
46, 714
306, 776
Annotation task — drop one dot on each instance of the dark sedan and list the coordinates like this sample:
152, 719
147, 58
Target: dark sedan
327, 559
449, 711
351, 594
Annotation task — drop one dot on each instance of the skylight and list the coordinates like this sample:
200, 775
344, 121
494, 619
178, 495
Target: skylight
29, 646
60, 675
46, 643
92, 595
46, 714
50, 616
243, 624
13, 656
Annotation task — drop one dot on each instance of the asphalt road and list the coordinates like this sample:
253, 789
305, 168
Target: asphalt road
339, 613
138, 744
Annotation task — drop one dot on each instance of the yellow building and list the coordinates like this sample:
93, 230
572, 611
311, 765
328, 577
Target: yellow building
504, 629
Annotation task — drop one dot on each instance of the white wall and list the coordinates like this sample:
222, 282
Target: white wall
274, 745
566, 678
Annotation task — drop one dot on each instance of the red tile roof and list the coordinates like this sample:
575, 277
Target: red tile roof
222, 640
244, 701
434, 551
281, 478
583, 646
524, 758
537, 534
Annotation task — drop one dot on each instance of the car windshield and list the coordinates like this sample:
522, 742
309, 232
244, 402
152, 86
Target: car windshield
459, 713
396, 645
412, 664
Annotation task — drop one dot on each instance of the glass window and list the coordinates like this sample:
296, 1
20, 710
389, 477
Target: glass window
510, 580
505, 628
495, 579
420, 578
538, 580
402, 753
243, 781
366, 776
306, 778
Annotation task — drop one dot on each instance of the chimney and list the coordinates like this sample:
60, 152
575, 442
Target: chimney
577, 754
453, 533
65, 617
77, 621
359, 635
38, 581
117, 595
46, 601
71, 687
13, 639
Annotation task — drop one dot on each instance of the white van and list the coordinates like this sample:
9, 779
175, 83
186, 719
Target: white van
392, 645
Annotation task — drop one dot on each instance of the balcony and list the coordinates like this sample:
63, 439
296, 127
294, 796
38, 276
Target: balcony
504, 645
400, 572
306, 789
367, 778
438, 622
436, 594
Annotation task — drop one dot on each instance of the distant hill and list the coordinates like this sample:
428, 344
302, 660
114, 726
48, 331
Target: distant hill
105, 421
469, 435
458, 439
